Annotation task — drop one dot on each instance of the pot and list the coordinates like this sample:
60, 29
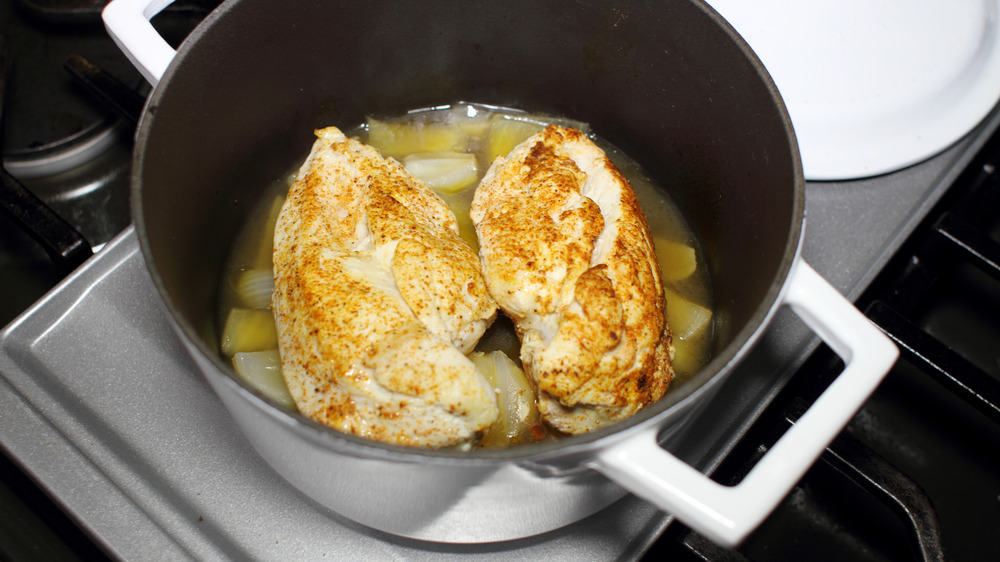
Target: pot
668, 82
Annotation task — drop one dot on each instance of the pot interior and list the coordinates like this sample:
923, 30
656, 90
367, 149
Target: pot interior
667, 82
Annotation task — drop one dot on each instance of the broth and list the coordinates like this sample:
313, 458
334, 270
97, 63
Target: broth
245, 315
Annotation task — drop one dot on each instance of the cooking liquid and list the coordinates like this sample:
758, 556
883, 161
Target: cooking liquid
253, 246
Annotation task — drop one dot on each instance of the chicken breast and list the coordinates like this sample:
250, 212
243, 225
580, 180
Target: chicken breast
377, 300
566, 253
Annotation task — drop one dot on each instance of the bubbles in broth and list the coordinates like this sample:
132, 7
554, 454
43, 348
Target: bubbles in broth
450, 148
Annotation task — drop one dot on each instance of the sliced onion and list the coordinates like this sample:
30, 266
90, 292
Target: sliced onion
677, 261
254, 287
445, 172
688, 322
396, 139
265, 247
262, 369
519, 421
687, 319
249, 329
508, 130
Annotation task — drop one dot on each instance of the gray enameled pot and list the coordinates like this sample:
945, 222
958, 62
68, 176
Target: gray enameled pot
667, 81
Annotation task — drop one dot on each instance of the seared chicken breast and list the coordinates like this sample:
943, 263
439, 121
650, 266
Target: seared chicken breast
566, 253
377, 300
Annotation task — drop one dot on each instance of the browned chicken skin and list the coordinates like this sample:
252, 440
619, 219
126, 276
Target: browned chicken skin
566, 252
377, 300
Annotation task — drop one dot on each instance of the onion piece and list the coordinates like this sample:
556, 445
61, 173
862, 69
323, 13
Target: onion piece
508, 130
396, 139
254, 287
687, 319
249, 329
688, 322
444, 172
262, 369
677, 261
266, 245
519, 421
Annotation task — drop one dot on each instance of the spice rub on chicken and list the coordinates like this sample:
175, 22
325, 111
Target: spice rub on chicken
566, 253
377, 300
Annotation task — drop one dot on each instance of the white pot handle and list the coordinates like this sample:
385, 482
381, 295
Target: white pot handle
727, 514
127, 21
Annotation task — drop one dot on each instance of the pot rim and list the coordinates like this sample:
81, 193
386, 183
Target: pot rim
678, 397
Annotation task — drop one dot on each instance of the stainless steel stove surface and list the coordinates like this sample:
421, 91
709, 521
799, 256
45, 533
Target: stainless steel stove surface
117, 445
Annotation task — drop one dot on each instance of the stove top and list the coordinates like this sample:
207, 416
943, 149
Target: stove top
103, 416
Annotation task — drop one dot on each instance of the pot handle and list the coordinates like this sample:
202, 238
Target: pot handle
127, 22
727, 514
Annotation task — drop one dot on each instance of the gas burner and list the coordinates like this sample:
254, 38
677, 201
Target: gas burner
62, 139
67, 156
59, 126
